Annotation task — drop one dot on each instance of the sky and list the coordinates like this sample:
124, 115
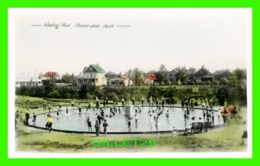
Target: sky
144, 38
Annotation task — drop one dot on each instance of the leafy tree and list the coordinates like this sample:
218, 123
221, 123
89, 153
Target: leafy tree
49, 86
238, 76
191, 75
162, 75
138, 77
202, 72
87, 90
222, 95
181, 74
66, 78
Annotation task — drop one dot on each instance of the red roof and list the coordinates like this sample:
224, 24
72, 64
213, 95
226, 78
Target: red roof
151, 76
51, 74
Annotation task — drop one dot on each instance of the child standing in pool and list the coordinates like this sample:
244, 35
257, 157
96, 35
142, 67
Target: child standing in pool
129, 125
49, 123
89, 125
97, 127
105, 127
136, 118
34, 119
167, 114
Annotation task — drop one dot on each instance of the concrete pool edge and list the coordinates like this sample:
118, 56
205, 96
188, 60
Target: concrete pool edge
135, 132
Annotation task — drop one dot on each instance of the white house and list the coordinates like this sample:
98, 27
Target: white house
26, 79
120, 80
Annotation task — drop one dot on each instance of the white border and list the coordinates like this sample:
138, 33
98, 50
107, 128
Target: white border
12, 153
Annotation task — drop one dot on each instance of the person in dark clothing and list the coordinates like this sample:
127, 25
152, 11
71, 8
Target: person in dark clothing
182, 103
142, 102
244, 136
188, 111
89, 125
102, 113
34, 118
213, 118
97, 104
157, 102
99, 118
204, 115
163, 104
97, 127
105, 127
133, 101
129, 125
27, 117
167, 114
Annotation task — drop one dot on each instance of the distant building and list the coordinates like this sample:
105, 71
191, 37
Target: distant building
110, 75
51, 75
222, 74
93, 75
27, 80
120, 80
149, 79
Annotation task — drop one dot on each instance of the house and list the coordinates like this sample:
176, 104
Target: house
93, 75
51, 75
149, 79
27, 80
110, 75
120, 80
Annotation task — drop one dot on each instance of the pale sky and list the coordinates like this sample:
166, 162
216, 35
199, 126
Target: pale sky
216, 38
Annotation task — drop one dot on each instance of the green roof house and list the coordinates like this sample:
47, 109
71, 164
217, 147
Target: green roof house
93, 75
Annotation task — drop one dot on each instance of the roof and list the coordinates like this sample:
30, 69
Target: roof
97, 68
111, 73
51, 74
151, 76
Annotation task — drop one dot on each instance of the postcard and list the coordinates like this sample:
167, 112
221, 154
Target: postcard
130, 83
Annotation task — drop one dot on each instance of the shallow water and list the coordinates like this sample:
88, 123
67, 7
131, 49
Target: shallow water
75, 121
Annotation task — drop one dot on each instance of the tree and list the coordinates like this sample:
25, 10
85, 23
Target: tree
181, 74
138, 77
162, 75
67, 78
191, 75
87, 91
202, 72
49, 87
222, 95
238, 76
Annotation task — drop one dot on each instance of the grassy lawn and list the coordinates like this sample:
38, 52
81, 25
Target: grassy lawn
225, 139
